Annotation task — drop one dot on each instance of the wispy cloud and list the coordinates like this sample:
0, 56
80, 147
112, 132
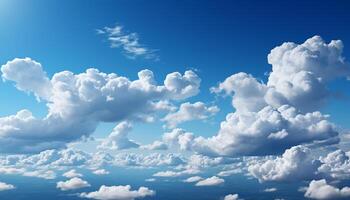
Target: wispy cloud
128, 42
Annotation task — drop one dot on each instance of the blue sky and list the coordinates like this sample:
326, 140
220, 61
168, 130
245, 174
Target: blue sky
213, 41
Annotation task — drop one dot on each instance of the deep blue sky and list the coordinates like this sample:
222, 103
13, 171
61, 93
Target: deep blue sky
219, 38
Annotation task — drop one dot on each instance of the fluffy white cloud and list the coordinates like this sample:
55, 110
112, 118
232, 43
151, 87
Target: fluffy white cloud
72, 184
118, 139
295, 164
45, 174
189, 112
101, 172
336, 165
71, 174
156, 145
78, 102
268, 131
28, 75
193, 179
5, 186
319, 189
232, 197
214, 180
129, 42
118, 193
281, 113
176, 173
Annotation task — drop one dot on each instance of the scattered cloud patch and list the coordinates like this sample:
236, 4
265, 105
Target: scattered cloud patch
118, 193
72, 184
212, 181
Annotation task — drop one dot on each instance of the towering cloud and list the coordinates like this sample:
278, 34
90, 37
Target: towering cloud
282, 113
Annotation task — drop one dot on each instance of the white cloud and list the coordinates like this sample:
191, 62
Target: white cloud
32, 77
118, 139
319, 189
336, 165
129, 42
156, 145
176, 173
72, 184
71, 174
212, 181
5, 186
270, 190
283, 112
189, 112
101, 172
193, 179
45, 174
232, 197
118, 193
295, 164
230, 172
77, 103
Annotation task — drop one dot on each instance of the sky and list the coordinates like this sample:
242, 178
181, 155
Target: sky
123, 100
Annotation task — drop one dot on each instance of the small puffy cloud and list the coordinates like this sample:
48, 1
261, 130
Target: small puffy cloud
320, 189
28, 75
128, 42
72, 184
232, 197
71, 174
150, 180
230, 172
5, 186
178, 138
295, 164
118, 139
212, 181
101, 172
118, 193
77, 103
270, 190
189, 112
169, 173
193, 179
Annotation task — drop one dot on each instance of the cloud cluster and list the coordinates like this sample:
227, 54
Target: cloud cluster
78, 102
282, 113
118, 193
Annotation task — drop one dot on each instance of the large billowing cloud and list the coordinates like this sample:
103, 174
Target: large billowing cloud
118, 193
78, 102
282, 113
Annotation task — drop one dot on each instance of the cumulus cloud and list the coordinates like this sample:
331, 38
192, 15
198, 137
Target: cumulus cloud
5, 186
128, 42
193, 179
71, 174
283, 112
118, 193
72, 184
212, 181
232, 197
189, 112
336, 165
270, 190
101, 172
176, 173
295, 164
77, 103
320, 189
118, 139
